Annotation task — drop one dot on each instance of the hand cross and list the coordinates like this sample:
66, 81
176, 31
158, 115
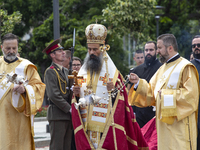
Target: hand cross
75, 77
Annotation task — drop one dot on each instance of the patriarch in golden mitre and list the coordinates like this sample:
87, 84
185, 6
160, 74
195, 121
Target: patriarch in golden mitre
107, 120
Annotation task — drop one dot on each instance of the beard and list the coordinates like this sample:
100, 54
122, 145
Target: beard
163, 58
196, 55
93, 63
149, 60
9, 56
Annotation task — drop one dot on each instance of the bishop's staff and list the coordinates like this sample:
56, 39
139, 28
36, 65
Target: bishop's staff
105, 48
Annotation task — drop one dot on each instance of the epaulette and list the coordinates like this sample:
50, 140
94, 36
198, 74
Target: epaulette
52, 67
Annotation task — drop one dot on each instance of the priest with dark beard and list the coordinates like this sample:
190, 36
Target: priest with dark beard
146, 71
101, 115
196, 62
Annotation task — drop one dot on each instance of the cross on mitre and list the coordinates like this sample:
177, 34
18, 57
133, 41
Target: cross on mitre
75, 77
104, 48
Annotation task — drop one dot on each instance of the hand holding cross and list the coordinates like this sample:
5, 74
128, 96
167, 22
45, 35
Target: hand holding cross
75, 77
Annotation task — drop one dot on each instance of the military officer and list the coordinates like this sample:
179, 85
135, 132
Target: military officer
58, 114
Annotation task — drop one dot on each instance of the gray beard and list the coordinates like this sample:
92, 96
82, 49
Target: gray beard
162, 59
10, 57
93, 63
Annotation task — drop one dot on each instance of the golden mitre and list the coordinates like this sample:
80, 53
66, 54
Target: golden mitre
96, 33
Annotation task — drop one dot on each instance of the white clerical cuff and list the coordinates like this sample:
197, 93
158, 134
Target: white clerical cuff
136, 85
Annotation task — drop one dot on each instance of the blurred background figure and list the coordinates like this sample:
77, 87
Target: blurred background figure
67, 58
139, 57
76, 64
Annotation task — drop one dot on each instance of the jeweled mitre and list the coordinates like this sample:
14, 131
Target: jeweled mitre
96, 33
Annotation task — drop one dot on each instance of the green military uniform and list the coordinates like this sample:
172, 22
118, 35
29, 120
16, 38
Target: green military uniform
58, 115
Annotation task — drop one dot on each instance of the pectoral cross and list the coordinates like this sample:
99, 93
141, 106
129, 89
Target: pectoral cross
75, 77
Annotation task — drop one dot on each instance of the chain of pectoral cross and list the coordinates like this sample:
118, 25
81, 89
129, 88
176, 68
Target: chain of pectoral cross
115, 91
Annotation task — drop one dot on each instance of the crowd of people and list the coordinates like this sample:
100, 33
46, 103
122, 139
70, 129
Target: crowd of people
157, 110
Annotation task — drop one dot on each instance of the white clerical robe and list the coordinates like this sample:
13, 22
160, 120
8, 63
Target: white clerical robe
17, 110
176, 108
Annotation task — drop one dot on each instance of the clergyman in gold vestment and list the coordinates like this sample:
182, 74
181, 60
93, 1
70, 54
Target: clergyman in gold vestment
174, 90
19, 102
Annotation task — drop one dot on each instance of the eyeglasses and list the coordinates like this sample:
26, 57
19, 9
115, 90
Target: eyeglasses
76, 65
194, 45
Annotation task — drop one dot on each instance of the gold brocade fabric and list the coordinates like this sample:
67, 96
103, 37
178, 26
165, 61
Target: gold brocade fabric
95, 117
180, 131
16, 128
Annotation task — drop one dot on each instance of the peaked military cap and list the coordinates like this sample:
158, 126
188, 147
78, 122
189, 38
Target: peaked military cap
55, 45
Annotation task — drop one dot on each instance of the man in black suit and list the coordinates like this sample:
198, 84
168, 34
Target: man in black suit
58, 114
196, 62
146, 71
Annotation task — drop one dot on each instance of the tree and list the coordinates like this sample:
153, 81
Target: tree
74, 14
8, 22
181, 18
130, 17
34, 13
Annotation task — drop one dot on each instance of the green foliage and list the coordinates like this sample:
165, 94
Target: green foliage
75, 14
34, 13
121, 17
130, 16
7, 22
117, 55
181, 18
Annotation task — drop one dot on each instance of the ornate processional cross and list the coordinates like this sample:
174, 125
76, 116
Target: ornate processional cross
75, 77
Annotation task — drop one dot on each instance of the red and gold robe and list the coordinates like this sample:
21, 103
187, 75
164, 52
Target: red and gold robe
117, 125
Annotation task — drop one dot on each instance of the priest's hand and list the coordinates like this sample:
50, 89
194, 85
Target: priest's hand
110, 86
133, 78
19, 88
76, 90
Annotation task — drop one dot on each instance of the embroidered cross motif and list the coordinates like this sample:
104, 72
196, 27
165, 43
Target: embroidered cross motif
4, 86
171, 86
94, 134
104, 79
162, 79
32, 97
81, 81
